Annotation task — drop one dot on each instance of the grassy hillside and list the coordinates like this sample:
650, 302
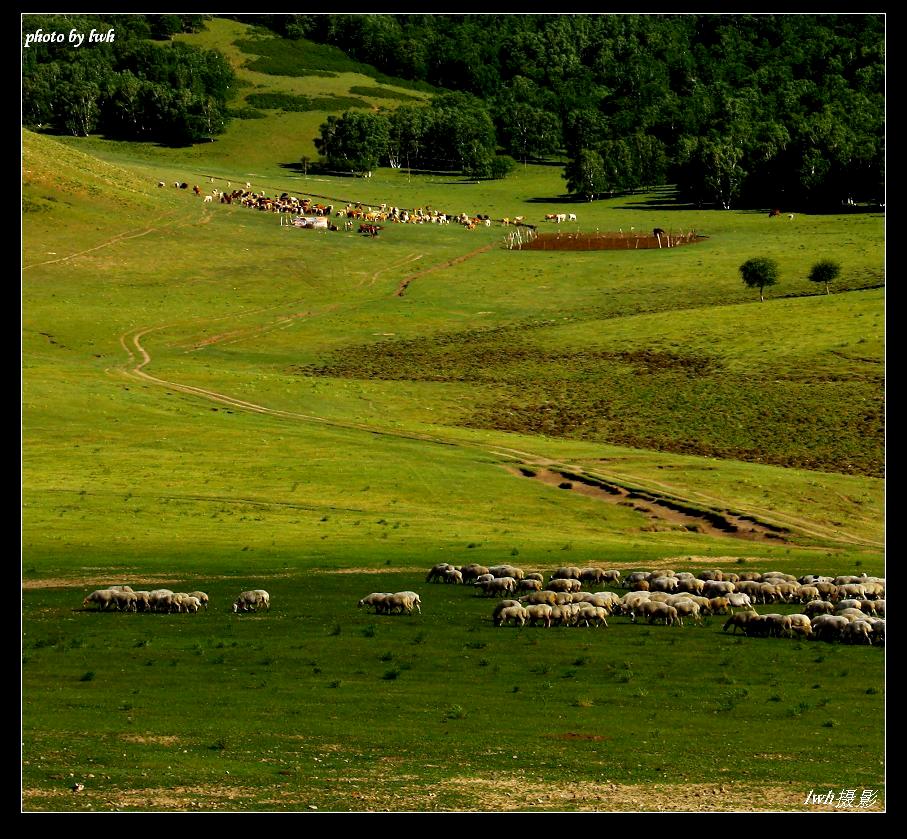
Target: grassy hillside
213, 401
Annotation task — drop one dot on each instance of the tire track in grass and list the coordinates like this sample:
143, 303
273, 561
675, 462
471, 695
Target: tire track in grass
404, 284
805, 526
115, 240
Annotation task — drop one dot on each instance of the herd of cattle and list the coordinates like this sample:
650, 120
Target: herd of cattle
123, 599
367, 215
850, 609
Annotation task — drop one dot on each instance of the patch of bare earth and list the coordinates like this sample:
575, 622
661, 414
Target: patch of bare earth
501, 794
407, 793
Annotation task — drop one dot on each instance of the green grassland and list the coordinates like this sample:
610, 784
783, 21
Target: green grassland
212, 401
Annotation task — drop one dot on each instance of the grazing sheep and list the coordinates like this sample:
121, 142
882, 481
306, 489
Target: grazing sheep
634, 577
827, 591
829, 627
191, 604
453, 577
473, 570
851, 614
777, 625
202, 598
529, 585
661, 612
852, 590
878, 630
498, 586
161, 599
500, 606
540, 597
665, 583
719, 606
125, 600
507, 571
818, 607
740, 620
535, 575
564, 584
592, 575
687, 609
143, 601
718, 588
103, 597
251, 601
609, 598
413, 601
539, 612
375, 600
437, 572
691, 585
801, 624
857, 632
589, 614
569, 572
514, 614
739, 601
806, 594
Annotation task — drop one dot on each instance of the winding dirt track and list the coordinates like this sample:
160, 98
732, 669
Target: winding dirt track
139, 358
404, 284
115, 240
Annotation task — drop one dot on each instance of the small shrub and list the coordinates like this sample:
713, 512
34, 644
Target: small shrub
335, 684
387, 656
87, 677
390, 675
583, 702
369, 631
335, 630
218, 745
455, 712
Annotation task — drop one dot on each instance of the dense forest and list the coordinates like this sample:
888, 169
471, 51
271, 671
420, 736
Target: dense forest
736, 110
140, 87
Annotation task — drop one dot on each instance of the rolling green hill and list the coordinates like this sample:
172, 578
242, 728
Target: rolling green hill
216, 401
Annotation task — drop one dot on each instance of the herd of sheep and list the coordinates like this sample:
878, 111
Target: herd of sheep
849, 609
123, 599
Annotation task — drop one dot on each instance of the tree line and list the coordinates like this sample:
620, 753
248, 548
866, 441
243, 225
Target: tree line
737, 110
140, 87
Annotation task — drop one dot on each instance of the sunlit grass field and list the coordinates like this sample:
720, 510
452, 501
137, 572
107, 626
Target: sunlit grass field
212, 401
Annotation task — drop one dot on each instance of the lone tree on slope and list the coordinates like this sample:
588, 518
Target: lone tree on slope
759, 272
825, 271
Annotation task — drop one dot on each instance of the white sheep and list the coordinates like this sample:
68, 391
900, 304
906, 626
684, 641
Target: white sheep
403, 602
202, 598
539, 612
590, 614
437, 572
375, 600
500, 606
103, 597
498, 586
248, 601
514, 614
